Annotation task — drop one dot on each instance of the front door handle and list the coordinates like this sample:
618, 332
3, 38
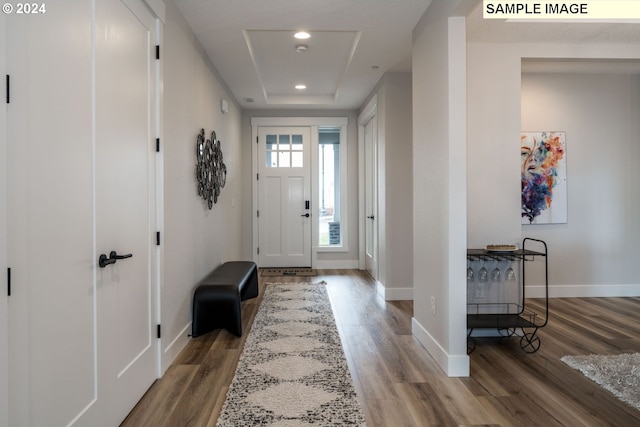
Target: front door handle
371, 217
103, 261
306, 215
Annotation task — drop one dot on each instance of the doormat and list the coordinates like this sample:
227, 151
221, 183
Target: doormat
271, 272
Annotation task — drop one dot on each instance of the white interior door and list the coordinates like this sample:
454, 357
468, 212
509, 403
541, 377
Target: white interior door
284, 197
371, 198
52, 339
81, 344
125, 202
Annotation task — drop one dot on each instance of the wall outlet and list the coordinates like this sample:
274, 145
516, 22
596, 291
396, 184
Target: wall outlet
433, 305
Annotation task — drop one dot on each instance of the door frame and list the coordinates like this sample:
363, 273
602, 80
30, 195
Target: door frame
4, 298
368, 113
314, 123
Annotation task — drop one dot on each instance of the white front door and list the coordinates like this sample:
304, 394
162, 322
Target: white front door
81, 177
284, 197
371, 198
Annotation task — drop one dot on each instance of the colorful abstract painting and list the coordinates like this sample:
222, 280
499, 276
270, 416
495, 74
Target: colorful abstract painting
543, 159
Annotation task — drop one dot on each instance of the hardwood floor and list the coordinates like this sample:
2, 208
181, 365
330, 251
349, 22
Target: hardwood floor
399, 384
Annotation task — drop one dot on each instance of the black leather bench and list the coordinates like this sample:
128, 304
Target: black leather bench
216, 300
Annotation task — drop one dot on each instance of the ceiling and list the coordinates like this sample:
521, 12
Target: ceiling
353, 43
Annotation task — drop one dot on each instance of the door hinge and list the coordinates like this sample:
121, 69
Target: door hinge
159, 331
8, 89
157, 51
257, 177
157, 145
258, 214
157, 238
257, 140
8, 282
258, 249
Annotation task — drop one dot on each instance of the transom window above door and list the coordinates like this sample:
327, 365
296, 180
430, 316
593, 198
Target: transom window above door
284, 151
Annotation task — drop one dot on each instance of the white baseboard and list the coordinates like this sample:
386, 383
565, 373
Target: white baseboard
336, 264
453, 366
583, 291
395, 293
175, 347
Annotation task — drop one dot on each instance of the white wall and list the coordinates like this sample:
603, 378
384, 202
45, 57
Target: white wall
395, 186
439, 186
493, 120
398, 166
590, 255
196, 239
598, 246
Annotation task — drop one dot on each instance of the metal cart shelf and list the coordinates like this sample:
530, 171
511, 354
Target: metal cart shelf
508, 317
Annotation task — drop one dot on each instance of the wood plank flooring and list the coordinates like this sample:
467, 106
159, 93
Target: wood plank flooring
399, 384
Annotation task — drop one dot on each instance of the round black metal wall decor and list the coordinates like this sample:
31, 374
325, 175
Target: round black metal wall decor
211, 172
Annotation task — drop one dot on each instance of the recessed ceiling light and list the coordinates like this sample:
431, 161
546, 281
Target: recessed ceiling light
301, 87
302, 35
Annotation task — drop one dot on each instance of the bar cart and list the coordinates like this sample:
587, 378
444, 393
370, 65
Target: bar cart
496, 300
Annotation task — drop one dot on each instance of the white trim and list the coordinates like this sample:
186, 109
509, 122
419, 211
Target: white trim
4, 299
327, 249
158, 8
452, 365
394, 294
584, 291
350, 264
314, 123
177, 344
299, 121
161, 363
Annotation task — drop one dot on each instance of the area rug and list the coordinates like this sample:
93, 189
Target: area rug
273, 272
618, 374
292, 370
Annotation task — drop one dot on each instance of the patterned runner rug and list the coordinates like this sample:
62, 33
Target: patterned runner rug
618, 374
292, 371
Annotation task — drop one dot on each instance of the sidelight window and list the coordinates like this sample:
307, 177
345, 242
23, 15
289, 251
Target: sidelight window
330, 227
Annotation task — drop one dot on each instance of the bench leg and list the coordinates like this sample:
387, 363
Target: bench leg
251, 288
215, 308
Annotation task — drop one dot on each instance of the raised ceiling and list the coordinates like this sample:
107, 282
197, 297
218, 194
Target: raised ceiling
353, 42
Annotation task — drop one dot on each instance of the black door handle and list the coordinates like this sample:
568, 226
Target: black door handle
103, 261
306, 215
371, 217
114, 255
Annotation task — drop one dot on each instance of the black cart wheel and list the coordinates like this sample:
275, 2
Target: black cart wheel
507, 332
471, 345
530, 343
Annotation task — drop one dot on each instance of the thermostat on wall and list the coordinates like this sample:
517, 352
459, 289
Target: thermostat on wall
224, 106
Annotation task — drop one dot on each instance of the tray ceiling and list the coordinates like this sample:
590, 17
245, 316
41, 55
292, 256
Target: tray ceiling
353, 42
